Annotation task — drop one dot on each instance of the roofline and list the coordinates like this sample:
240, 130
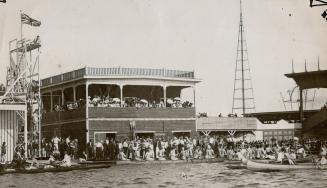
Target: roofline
123, 77
292, 75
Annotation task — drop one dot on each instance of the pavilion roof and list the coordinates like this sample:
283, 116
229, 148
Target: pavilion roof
309, 80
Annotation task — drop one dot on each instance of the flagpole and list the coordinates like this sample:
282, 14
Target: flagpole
21, 26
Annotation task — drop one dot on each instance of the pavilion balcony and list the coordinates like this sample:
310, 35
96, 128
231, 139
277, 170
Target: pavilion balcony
133, 112
63, 116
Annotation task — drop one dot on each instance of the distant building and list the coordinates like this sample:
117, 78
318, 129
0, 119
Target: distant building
93, 104
239, 127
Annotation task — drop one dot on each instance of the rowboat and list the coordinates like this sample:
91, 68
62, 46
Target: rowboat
143, 162
54, 169
269, 167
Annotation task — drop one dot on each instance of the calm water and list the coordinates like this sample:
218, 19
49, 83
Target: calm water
198, 175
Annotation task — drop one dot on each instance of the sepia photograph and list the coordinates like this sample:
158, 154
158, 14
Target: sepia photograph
163, 93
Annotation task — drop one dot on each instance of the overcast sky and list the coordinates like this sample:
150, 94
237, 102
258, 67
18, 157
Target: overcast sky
198, 35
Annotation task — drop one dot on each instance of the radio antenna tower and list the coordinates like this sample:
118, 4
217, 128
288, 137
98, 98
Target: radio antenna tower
243, 98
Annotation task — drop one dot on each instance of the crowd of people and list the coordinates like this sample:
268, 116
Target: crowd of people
184, 148
106, 101
102, 101
181, 148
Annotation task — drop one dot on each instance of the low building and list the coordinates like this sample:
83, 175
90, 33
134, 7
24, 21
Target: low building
13, 127
92, 104
239, 127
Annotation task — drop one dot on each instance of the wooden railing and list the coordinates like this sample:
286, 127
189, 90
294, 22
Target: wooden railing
62, 116
132, 112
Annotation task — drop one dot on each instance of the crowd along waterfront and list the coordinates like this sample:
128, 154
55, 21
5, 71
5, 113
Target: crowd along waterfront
138, 127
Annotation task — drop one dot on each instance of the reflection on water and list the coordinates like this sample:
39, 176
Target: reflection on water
171, 175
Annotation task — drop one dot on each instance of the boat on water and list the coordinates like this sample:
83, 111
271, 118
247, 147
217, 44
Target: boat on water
54, 169
269, 167
127, 162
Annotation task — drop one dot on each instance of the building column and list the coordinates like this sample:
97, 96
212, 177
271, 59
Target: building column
301, 106
62, 97
121, 94
74, 93
165, 95
51, 102
87, 111
25, 131
194, 96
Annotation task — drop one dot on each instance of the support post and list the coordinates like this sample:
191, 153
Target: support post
74, 93
87, 111
301, 106
165, 95
121, 95
51, 102
62, 97
25, 131
194, 96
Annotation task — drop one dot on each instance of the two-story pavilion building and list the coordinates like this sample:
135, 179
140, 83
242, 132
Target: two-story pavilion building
93, 104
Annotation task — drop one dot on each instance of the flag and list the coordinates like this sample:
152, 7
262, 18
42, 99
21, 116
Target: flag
29, 21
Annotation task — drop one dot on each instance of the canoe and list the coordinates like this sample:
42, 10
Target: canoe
58, 169
236, 166
268, 167
143, 162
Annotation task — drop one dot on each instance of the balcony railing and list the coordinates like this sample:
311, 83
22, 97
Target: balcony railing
108, 112
62, 116
133, 112
117, 71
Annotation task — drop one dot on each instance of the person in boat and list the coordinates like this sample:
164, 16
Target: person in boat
230, 153
182, 154
280, 155
18, 160
149, 155
136, 151
222, 151
122, 156
83, 157
197, 153
301, 152
52, 160
67, 161
173, 154
209, 152
292, 157
34, 163
323, 154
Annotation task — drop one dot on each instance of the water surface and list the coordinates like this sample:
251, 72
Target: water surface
168, 175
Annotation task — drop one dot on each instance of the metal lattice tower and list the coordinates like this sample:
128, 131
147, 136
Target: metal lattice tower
243, 98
